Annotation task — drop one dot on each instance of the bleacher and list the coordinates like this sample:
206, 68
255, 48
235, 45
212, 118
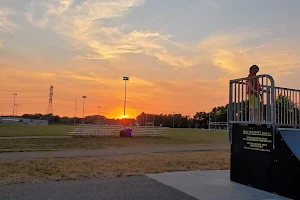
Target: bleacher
114, 130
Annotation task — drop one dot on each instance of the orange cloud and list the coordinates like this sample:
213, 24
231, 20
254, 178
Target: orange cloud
165, 75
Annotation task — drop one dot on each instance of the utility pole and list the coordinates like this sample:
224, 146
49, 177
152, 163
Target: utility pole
75, 110
14, 94
84, 97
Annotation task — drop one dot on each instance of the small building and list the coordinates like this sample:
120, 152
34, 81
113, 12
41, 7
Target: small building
15, 120
35, 121
10, 120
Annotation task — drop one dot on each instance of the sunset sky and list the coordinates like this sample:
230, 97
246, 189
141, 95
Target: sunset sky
179, 54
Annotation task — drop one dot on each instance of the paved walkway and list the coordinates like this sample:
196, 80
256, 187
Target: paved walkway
123, 188
108, 151
196, 185
211, 185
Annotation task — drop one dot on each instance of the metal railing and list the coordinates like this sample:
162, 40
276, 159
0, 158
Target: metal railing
268, 105
256, 108
287, 111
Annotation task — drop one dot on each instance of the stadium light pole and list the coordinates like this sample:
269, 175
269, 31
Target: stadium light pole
17, 109
125, 78
153, 120
75, 110
84, 97
99, 113
173, 120
14, 94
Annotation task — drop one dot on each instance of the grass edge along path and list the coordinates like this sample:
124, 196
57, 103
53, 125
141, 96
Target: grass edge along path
110, 166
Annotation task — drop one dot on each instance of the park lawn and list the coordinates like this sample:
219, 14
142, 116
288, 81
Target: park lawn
92, 143
12, 130
170, 137
110, 166
198, 136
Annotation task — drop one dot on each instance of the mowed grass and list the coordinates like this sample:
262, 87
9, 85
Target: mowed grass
110, 166
171, 137
198, 136
48, 144
13, 130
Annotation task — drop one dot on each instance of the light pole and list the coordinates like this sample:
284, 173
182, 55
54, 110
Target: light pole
209, 121
173, 120
84, 97
75, 110
14, 94
17, 109
125, 78
153, 120
99, 113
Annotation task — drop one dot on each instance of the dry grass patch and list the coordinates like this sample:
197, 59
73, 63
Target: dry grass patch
108, 166
51, 144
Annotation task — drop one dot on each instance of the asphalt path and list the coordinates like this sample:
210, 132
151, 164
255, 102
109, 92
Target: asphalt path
127, 188
108, 151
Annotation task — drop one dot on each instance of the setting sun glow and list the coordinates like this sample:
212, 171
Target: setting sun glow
175, 64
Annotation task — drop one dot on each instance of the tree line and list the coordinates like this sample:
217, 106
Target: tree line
284, 105
198, 120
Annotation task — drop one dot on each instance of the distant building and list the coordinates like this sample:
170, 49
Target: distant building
10, 120
35, 121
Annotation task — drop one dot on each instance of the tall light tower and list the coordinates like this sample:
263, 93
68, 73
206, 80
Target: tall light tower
50, 108
125, 78
84, 97
14, 94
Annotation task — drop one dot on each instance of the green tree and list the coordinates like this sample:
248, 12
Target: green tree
287, 111
200, 120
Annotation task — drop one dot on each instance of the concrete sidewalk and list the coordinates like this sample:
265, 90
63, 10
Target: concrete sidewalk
105, 152
212, 185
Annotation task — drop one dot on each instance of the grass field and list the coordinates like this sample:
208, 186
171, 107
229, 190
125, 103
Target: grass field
171, 137
105, 166
10, 130
108, 166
